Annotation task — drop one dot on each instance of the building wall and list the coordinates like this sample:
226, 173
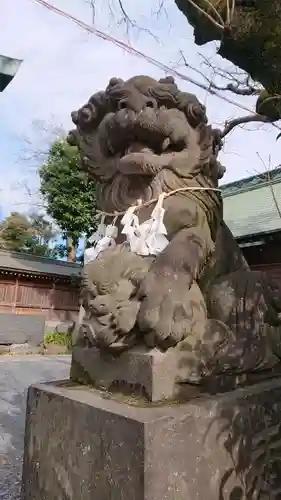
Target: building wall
267, 257
56, 301
60, 302
273, 270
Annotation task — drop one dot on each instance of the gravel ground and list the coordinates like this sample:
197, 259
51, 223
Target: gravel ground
16, 375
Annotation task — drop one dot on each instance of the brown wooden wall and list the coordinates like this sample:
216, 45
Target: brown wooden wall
26, 296
273, 270
60, 302
266, 258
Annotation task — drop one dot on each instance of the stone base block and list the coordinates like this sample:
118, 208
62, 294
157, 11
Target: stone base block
141, 370
22, 328
81, 444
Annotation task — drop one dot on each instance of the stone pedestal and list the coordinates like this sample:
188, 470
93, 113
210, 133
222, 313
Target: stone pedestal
81, 444
150, 372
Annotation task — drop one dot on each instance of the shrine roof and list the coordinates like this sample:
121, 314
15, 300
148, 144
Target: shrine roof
37, 266
253, 205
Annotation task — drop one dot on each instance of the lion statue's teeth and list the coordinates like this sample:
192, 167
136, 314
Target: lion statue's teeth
137, 147
166, 144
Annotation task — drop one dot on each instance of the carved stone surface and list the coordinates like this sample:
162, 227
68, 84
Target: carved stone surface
79, 444
150, 372
140, 138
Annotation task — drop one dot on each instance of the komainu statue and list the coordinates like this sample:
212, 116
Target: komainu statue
163, 269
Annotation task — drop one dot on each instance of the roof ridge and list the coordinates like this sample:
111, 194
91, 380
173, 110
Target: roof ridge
253, 182
38, 258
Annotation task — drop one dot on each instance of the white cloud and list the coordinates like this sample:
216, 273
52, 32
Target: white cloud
63, 66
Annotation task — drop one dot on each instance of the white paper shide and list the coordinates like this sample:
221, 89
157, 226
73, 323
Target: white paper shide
148, 238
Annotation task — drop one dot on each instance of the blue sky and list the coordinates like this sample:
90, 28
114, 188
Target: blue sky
63, 66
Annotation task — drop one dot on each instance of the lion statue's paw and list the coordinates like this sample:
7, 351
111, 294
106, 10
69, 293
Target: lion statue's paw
170, 307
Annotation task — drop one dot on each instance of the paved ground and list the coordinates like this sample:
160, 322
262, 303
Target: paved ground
16, 374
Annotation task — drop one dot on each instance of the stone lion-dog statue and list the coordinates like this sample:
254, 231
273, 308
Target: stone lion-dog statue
163, 269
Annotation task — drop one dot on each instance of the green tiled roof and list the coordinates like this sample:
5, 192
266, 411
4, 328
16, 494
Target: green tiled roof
249, 206
13, 261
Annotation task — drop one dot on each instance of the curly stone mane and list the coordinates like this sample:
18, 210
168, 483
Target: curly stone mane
142, 137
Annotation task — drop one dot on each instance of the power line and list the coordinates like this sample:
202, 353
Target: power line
137, 53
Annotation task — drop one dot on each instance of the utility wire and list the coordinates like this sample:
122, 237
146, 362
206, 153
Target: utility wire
137, 53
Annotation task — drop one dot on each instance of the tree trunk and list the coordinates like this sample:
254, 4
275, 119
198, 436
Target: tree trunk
254, 40
71, 250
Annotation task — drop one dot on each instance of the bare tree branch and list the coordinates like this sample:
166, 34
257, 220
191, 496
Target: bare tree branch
92, 3
33, 196
125, 15
161, 10
34, 204
239, 82
161, 7
229, 125
35, 153
218, 24
49, 133
116, 6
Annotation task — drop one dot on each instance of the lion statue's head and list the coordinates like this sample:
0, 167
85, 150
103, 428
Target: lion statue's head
140, 137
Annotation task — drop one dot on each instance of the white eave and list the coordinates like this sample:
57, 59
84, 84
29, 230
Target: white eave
9, 66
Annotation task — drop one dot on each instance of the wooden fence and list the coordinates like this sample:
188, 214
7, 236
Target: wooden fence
55, 301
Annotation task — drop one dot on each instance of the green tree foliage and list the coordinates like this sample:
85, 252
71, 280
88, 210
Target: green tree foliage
69, 195
30, 234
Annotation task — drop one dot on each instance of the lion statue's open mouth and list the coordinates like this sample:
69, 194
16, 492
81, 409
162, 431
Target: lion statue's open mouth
141, 139
140, 126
